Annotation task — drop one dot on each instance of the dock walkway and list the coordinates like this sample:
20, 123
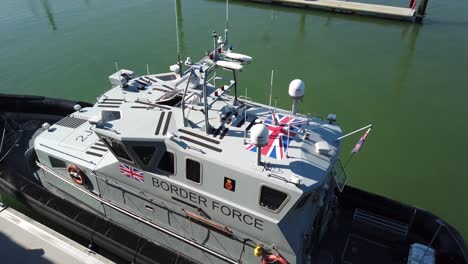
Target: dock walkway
350, 7
23, 240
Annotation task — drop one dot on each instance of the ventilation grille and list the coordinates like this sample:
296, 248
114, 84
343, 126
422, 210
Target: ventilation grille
71, 122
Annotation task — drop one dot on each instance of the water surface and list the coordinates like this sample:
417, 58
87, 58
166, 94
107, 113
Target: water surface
409, 80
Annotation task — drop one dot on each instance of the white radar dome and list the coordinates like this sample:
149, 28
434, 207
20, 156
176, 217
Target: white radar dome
296, 89
259, 135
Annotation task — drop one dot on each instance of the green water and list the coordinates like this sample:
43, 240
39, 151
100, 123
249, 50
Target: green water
409, 80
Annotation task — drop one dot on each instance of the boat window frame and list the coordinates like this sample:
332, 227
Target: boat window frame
201, 170
283, 204
60, 160
104, 140
153, 155
175, 164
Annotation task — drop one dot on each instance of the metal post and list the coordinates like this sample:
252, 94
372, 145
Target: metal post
215, 55
421, 10
294, 107
259, 156
205, 104
235, 87
177, 10
183, 97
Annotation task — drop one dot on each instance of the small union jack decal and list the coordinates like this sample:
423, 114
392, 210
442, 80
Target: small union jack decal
278, 140
132, 173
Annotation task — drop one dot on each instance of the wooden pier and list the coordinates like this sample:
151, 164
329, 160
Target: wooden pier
343, 6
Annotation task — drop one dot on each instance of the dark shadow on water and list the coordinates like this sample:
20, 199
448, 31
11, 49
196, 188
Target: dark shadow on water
49, 14
428, 21
406, 61
11, 252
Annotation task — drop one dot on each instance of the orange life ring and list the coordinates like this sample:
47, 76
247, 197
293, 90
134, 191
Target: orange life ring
76, 174
276, 259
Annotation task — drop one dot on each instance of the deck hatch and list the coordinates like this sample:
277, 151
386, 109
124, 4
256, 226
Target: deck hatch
71, 122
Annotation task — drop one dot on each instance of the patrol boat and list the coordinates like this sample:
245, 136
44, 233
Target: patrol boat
173, 156
182, 160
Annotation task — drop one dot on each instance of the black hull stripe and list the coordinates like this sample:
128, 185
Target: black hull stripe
161, 118
112, 102
110, 106
199, 136
168, 120
251, 125
201, 143
111, 99
98, 148
93, 153
224, 133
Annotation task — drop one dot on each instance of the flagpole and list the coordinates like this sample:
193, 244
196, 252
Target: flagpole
289, 129
357, 147
350, 157
354, 132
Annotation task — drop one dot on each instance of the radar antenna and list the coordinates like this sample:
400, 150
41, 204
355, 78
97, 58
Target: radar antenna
259, 138
296, 91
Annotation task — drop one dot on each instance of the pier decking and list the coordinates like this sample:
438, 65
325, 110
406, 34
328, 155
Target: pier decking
23, 240
343, 6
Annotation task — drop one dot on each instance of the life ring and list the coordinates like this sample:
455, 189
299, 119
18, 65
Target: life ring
76, 174
276, 259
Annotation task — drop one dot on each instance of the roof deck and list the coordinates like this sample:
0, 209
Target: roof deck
143, 112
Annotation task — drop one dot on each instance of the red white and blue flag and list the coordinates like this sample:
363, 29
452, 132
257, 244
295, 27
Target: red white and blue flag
278, 140
132, 173
361, 142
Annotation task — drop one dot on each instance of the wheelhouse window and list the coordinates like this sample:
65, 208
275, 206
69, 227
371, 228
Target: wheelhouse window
272, 199
193, 170
167, 163
144, 153
117, 148
57, 163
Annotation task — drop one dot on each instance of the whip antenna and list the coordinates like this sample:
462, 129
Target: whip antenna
227, 23
177, 37
227, 14
271, 89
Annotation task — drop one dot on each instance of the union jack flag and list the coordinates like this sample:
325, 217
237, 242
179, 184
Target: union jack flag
360, 142
132, 173
278, 140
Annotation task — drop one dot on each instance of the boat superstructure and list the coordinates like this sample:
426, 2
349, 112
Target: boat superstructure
182, 159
